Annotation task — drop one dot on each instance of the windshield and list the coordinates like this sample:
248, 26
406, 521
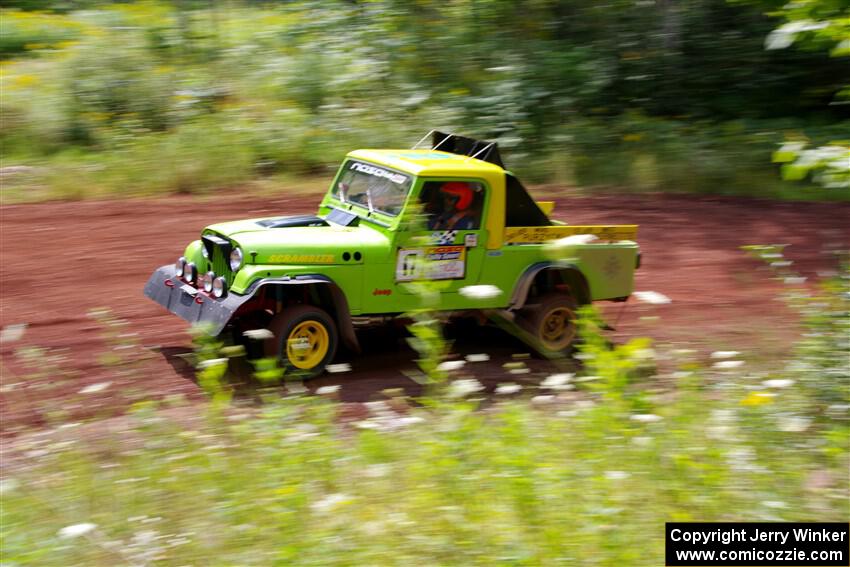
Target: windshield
373, 187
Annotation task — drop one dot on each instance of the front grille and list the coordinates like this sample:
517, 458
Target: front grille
219, 250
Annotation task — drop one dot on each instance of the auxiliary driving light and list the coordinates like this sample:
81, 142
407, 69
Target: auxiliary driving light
179, 265
190, 272
219, 287
207, 280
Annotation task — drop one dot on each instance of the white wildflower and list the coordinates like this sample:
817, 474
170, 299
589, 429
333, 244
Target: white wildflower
451, 365
145, 537
8, 485
644, 354
212, 362
378, 407
652, 297
558, 381
94, 388
646, 418
406, 420
338, 368
327, 390
642, 441
12, 333
683, 351
482, 357
509, 388
720, 424
378, 470
258, 334
742, 459
462, 388
794, 424
725, 354
778, 383
573, 240
76, 530
727, 364
616, 475
483, 291
330, 502
541, 400
587, 379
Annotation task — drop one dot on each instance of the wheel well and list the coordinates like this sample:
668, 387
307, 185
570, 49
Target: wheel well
272, 298
569, 280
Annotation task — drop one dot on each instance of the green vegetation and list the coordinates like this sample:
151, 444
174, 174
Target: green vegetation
146, 97
584, 472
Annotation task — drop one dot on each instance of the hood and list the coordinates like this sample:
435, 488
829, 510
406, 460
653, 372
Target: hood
300, 240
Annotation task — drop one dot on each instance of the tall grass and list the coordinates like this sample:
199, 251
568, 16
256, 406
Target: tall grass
583, 470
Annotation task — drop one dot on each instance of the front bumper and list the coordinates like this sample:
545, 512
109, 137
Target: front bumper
191, 304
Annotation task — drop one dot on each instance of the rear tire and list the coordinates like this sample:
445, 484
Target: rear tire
305, 340
551, 321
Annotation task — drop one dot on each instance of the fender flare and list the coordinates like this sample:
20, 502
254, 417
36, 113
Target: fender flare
572, 272
340, 312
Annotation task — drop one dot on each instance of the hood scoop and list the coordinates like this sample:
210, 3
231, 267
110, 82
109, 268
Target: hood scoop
289, 222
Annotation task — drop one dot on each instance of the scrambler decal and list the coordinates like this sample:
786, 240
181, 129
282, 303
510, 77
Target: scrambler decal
431, 263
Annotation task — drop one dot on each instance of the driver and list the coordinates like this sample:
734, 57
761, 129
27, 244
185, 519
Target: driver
457, 215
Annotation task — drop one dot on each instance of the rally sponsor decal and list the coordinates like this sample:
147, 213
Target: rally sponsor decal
443, 237
532, 234
396, 178
431, 263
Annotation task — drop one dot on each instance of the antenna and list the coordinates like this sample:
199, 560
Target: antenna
425, 137
481, 151
444, 140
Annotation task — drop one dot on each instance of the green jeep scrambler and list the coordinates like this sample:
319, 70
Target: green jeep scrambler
451, 214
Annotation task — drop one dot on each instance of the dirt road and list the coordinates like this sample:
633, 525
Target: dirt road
60, 261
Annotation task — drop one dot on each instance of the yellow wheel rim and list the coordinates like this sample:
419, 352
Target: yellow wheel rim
307, 345
557, 329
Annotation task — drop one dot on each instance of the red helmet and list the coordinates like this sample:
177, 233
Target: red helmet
462, 191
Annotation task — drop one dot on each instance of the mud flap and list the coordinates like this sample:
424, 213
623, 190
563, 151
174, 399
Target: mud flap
190, 304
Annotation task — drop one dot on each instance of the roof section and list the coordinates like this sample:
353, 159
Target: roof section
428, 163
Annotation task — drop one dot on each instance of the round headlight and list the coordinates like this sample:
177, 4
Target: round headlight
204, 252
236, 259
219, 287
179, 265
207, 280
190, 272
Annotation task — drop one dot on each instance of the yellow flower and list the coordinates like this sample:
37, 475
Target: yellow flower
24, 81
757, 399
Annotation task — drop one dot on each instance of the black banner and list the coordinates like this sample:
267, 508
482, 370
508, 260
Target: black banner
762, 544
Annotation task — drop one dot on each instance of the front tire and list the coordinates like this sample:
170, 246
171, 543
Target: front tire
305, 340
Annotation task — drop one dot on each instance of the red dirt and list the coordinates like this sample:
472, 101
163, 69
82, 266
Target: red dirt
62, 260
